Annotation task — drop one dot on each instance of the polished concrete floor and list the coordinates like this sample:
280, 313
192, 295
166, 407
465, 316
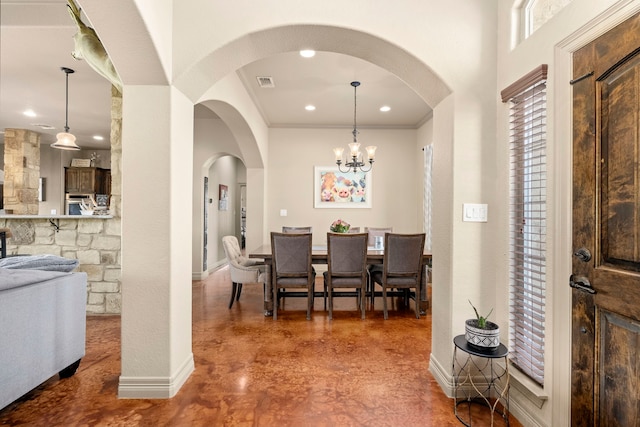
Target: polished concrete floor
254, 371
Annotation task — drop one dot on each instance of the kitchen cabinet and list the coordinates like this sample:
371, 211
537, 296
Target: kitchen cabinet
87, 180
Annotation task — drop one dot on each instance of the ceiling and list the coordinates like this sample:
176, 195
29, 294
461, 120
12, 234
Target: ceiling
36, 40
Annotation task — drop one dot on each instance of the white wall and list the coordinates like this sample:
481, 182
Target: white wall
294, 153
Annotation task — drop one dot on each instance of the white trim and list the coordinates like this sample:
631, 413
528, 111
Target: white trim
442, 376
155, 387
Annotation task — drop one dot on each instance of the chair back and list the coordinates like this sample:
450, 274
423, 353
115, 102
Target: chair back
297, 230
347, 254
353, 230
231, 248
376, 232
291, 254
403, 256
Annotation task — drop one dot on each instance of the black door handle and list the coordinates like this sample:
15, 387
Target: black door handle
581, 283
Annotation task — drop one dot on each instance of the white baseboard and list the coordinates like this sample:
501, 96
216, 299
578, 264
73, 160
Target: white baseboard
155, 387
201, 275
442, 375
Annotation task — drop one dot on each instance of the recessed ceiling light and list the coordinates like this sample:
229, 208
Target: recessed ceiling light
385, 108
29, 113
98, 137
307, 53
310, 107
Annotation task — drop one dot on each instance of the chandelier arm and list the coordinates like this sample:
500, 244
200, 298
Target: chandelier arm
339, 163
366, 170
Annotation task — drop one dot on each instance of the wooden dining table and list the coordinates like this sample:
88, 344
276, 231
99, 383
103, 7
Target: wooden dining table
319, 256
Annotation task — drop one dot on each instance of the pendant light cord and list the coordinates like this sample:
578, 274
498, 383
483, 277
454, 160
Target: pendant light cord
67, 71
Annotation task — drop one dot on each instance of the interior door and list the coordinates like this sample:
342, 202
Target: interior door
606, 230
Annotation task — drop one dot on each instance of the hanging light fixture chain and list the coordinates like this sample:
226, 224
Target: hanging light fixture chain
67, 71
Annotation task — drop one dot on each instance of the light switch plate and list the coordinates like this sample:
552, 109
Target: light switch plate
283, 212
475, 212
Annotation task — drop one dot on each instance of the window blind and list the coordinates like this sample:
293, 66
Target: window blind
528, 228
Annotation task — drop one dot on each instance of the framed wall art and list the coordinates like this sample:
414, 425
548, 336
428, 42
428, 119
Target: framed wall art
223, 197
335, 189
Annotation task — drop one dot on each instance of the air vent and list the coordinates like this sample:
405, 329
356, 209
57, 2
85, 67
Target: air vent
265, 81
43, 126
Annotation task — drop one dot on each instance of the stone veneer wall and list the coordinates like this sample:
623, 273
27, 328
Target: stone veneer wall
21, 171
96, 243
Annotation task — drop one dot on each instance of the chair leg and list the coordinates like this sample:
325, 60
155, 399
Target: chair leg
275, 302
325, 296
310, 301
234, 287
384, 301
362, 295
330, 296
417, 302
239, 291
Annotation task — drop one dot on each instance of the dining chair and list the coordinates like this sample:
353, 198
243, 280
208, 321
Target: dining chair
291, 267
373, 233
346, 266
241, 268
376, 232
353, 230
286, 229
401, 266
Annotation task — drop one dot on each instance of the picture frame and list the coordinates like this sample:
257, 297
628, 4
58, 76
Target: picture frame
335, 189
223, 197
80, 163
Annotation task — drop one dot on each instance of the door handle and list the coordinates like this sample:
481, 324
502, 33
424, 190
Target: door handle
581, 283
583, 254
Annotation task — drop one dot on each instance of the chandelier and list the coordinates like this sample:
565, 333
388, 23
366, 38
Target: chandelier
66, 140
354, 159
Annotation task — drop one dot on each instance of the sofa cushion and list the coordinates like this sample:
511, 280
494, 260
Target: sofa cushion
10, 278
40, 262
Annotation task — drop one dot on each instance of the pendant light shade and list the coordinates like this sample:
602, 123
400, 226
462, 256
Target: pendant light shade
66, 140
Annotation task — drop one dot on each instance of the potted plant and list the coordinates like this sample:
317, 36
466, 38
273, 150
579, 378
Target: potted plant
482, 333
340, 226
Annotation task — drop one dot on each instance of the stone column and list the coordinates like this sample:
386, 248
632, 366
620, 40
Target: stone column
22, 171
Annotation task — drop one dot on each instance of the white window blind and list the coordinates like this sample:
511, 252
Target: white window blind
528, 226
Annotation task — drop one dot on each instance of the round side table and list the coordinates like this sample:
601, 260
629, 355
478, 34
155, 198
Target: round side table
476, 379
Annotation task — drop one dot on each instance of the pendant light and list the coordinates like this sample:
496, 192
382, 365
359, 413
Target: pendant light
66, 140
354, 158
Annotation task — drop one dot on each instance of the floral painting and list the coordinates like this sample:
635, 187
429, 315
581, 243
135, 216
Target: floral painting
335, 189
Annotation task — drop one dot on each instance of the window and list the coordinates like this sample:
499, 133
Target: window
536, 13
527, 222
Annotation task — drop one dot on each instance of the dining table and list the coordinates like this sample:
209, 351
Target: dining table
319, 256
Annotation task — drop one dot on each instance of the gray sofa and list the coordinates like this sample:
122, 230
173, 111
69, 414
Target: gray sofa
42, 328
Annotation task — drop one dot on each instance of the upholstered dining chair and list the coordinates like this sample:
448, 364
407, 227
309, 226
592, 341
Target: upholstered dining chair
373, 233
346, 266
291, 267
289, 230
401, 266
241, 268
376, 232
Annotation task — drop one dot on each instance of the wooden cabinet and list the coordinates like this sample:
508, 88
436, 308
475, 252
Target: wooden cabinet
87, 180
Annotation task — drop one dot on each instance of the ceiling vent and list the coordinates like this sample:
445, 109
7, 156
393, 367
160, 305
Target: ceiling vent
265, 81
43, 126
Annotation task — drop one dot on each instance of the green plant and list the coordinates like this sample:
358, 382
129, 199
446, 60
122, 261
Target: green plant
340, 226
482, 320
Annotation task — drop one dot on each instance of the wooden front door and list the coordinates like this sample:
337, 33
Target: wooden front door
606, 230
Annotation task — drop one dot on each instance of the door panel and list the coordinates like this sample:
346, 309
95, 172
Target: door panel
606, 221
618, 378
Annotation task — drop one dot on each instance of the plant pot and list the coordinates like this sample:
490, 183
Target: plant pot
484, 339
